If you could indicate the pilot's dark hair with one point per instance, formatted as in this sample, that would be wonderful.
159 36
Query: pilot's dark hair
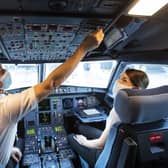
138 78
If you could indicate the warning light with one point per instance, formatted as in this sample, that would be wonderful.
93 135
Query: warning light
155 138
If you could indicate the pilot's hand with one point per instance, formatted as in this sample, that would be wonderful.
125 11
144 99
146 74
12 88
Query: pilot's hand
16 154
82 140
93 40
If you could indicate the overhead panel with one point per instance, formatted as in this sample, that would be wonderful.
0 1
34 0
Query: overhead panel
30 39
50 30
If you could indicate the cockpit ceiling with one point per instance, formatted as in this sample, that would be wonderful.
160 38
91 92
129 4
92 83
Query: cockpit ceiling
44 39
86 7
152 35
50 30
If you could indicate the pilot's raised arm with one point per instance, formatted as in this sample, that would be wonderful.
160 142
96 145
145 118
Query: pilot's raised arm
14 107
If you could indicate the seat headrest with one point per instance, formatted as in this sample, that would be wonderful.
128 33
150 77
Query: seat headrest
142 105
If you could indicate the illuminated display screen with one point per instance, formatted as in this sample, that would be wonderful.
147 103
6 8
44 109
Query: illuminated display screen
44 118
81 102
30 132
44 105
58 128
68 103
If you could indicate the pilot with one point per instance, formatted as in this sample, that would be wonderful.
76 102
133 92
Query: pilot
90 142
14 107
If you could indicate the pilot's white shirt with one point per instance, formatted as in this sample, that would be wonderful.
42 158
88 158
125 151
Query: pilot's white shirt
112 119
12 108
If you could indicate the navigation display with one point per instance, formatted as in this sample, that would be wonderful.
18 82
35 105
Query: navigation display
44 118
81 102
44 105
67 103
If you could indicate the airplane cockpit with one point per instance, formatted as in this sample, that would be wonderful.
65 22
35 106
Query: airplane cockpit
36 37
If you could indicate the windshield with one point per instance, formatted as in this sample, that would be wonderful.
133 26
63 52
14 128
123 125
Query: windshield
23 75
88 74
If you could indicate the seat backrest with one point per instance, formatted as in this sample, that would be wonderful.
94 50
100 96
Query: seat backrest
143 116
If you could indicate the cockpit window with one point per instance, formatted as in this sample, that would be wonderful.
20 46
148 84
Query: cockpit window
158 74
88 74
23 75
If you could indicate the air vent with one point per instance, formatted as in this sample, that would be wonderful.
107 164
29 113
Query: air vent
57 4
110 4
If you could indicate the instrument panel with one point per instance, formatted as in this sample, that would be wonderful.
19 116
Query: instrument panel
46 143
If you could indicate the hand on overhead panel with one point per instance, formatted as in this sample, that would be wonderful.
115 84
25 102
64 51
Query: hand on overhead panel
93 40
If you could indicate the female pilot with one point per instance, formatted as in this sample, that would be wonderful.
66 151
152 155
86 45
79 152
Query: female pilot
90 146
